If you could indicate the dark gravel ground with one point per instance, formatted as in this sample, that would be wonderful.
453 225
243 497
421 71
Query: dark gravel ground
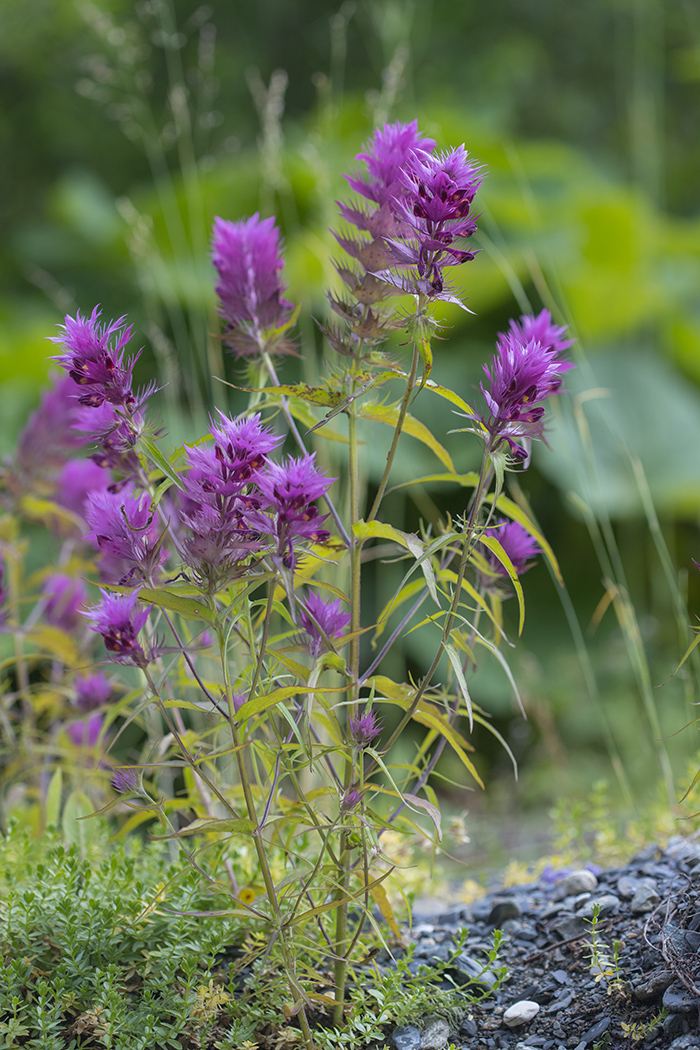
645 996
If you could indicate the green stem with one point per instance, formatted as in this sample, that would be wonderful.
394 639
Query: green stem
484 479
397 434
278 924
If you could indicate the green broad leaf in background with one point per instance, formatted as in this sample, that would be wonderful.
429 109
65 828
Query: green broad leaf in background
52 806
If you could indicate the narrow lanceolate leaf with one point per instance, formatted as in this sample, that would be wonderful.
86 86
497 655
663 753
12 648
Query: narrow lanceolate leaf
203 825
312 395
390 415
456 662
381 530
160 461
497 550
426 714
263 703
190 608
426 352
380 898
448 395
695 642
432 810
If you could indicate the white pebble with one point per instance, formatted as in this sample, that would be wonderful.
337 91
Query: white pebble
520 1013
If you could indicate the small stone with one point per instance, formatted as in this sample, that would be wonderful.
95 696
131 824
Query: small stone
596 1030
407 1037
568 926
580 881
627 886
561 976
436 1034
652 985
685 1042
562 1001
645 899
678 1000
607 904
502 910
468 1027
468 970
520 1013
683 851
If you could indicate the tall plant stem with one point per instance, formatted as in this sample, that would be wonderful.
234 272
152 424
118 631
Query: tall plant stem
340 968
355 559
468 542
258 842
397 434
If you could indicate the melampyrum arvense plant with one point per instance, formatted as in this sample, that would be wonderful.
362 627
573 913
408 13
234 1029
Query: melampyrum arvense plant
223 568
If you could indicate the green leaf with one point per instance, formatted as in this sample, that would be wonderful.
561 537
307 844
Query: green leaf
448 395
77 830
161 462
454 659
496 549
426 352
390 415
52 808
189 608
204 825
262 703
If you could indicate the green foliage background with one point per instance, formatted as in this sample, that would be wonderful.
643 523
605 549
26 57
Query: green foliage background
126 127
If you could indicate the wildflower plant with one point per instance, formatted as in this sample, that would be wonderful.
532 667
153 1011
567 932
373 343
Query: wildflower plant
231 581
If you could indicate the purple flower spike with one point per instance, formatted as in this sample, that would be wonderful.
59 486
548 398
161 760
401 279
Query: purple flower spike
86 732
92 691
364 728
117 620
542 330
385 156
351 799
321 617
518 545
64 597
93 355
290 489
247 257
124 529
523 375
436 209
126 779
77 479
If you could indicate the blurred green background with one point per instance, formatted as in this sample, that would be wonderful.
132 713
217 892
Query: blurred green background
126 127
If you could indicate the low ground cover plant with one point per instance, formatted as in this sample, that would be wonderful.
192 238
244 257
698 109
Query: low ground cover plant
245 716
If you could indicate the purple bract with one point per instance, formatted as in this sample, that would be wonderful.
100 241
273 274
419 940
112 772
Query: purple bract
247 257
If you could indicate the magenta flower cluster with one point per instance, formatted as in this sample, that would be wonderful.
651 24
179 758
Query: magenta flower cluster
247 257
525 372
119 619
95 359
239 505
423 217
322 620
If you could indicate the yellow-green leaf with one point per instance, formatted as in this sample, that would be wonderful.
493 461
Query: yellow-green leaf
497 550
390 415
